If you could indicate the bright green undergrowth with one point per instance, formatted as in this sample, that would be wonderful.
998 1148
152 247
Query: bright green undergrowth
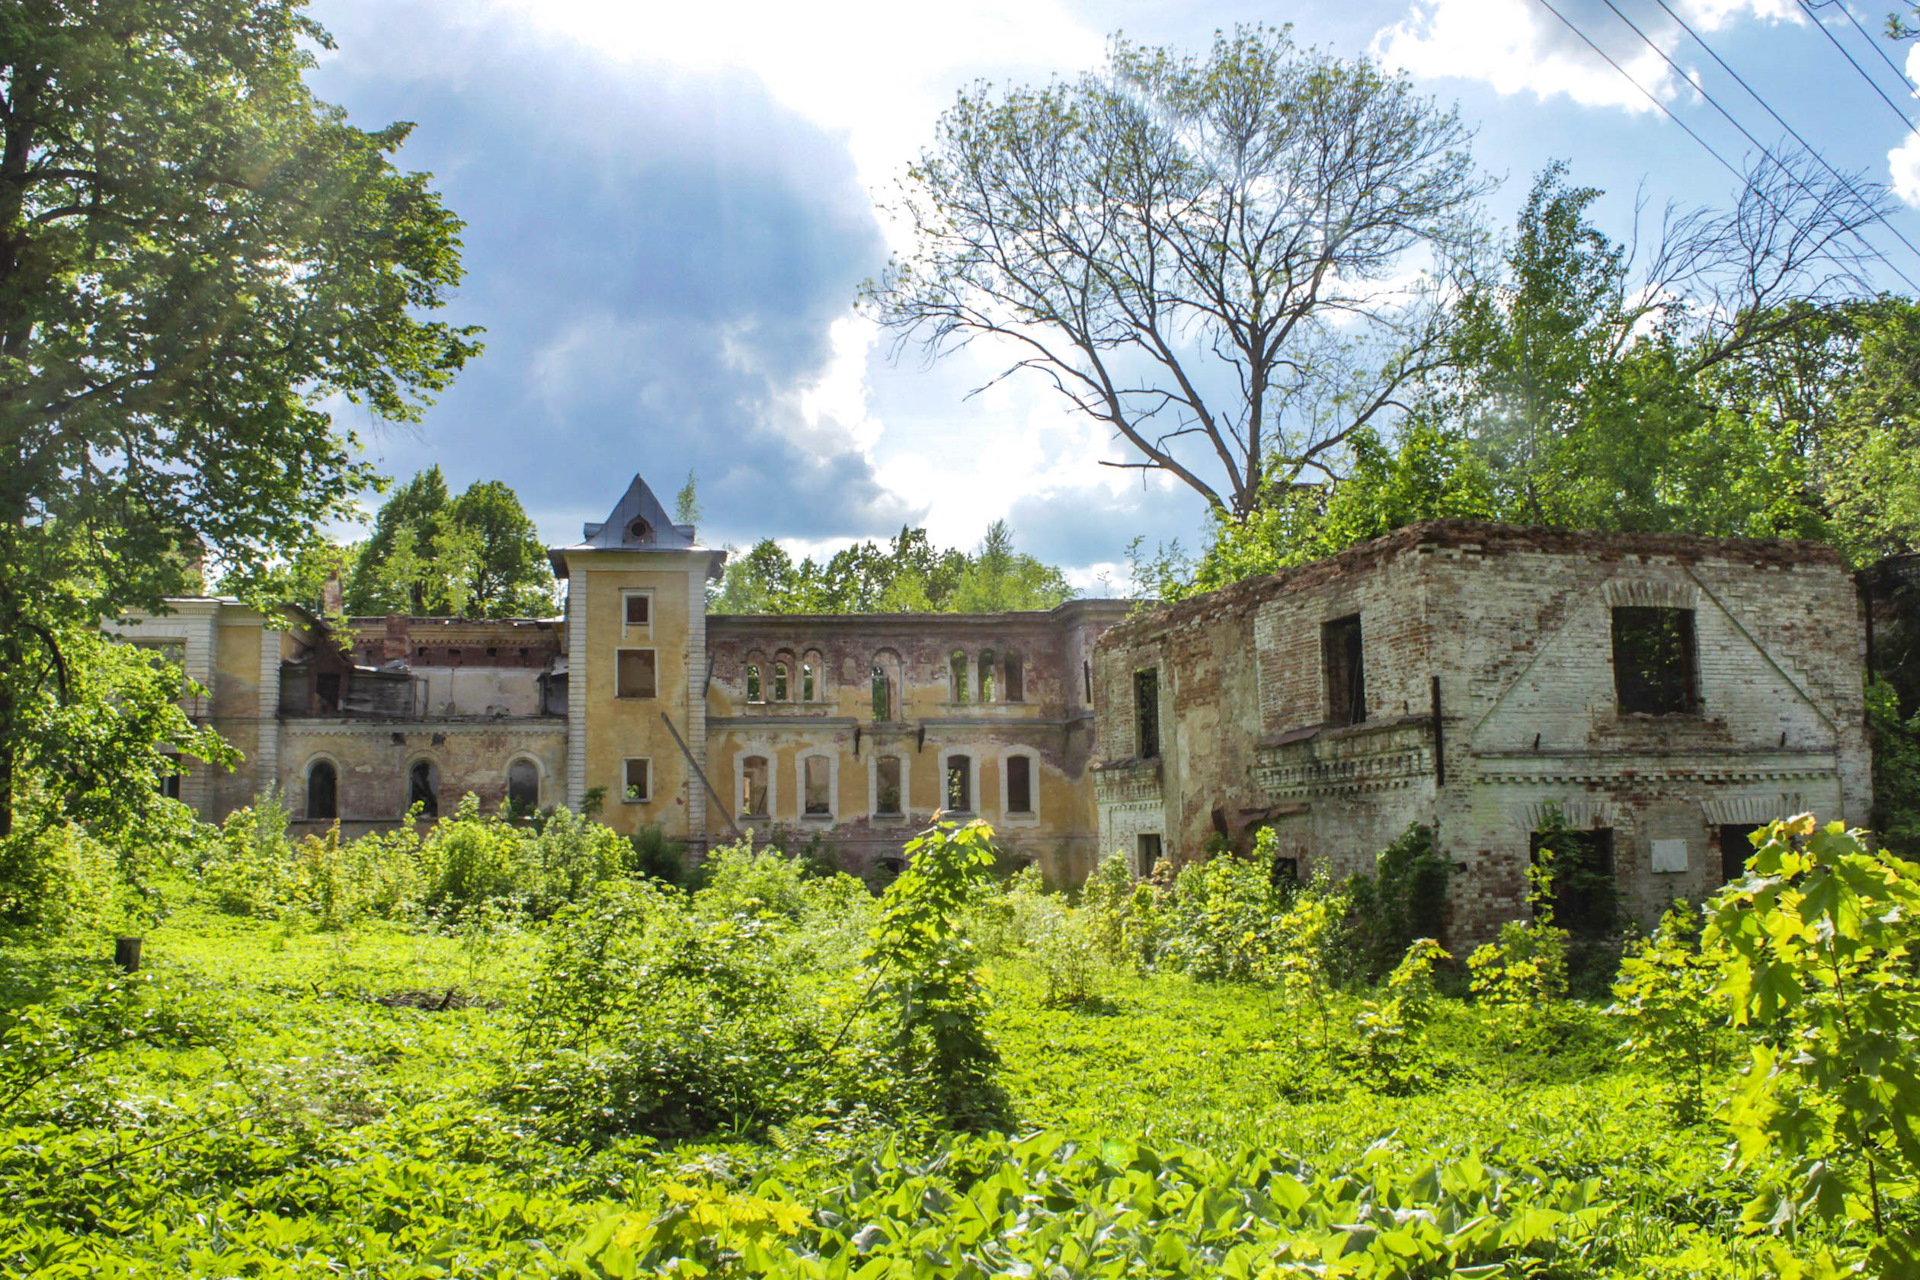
780 1075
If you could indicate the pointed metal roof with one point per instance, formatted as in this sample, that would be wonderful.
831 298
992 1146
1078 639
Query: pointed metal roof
638 522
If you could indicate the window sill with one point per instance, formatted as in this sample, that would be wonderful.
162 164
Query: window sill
821 818
636 697
888 819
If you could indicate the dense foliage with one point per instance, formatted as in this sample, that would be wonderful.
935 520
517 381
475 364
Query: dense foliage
196 256
774 1074
906 576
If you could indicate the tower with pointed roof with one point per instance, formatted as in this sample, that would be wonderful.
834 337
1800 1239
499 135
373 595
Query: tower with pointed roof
636 665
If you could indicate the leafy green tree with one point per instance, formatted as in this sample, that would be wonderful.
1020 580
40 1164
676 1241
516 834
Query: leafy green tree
999 578
196 255
686 504
429 554
907 576
1820 941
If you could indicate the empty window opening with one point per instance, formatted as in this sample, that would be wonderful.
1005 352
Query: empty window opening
423 788
326 687
323 791
1019 784
1086 677
808 689
170 772
1736 846
1146 852
753 682
1146 713
753 787
636 674
986 676
882 691
780 682
819 786
891 866
960 784
1655 666
1014 688
1584 895
886 787
1284 871
637 786
1341 652
639 611
523 786
641 531
957 669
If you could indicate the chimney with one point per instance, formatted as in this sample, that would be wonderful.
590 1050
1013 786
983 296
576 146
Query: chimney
332 594
397 644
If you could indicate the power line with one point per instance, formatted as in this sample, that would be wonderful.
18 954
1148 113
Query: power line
1824 204
1871 82
1905 80
1808 147
1648 93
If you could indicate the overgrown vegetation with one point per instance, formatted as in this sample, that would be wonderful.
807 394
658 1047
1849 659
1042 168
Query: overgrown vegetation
378 1055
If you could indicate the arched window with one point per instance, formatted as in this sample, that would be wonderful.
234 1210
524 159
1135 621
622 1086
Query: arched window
1014 689
987 681
780 682
523 786
808 689
813 676
753 682
888 689
957 669
753 787
423 788
323 791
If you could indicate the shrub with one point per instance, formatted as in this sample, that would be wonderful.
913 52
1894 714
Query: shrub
1220 920
467 859
566 858
56 878
1105 898
1677 1025
1403 900
248 869
743 880
1820 941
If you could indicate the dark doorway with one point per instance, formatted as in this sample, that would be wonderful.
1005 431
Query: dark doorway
1341 652
1735 849
1147 845
1585 899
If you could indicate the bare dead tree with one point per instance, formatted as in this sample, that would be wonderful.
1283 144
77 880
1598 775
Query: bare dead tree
1236 262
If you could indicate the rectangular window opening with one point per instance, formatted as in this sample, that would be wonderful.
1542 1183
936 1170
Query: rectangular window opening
1019 784
636 674
1341 652
1146 712
960 784
753 787
886 800
639 610
1016 680
637 786
1655 661
819 780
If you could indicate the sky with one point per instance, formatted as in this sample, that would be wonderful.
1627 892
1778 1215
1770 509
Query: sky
670 208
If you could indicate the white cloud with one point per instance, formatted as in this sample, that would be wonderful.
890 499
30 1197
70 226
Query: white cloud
876 71
1517 46
1903 163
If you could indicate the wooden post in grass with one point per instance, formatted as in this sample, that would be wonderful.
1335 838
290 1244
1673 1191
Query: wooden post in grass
126 953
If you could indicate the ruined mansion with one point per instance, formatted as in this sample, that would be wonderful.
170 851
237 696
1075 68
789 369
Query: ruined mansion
1662 694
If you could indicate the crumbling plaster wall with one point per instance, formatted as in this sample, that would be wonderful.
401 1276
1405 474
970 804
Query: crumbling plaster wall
372 760
1050 726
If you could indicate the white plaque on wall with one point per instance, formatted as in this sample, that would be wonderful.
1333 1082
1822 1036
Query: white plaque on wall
1669 855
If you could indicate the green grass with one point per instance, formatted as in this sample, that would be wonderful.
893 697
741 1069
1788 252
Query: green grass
340 1135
